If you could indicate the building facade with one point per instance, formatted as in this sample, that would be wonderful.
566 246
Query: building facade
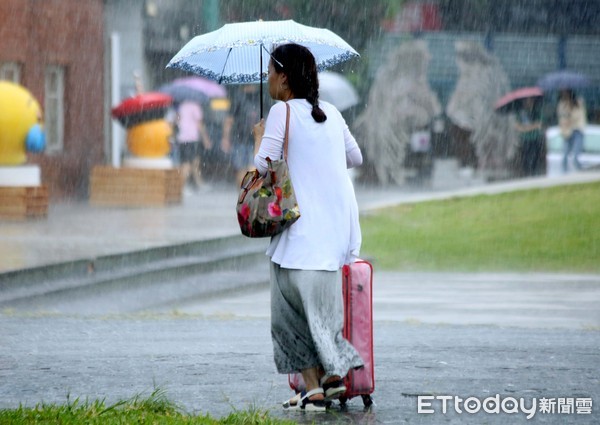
56 49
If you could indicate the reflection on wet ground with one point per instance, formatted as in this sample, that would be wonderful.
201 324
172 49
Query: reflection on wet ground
77 230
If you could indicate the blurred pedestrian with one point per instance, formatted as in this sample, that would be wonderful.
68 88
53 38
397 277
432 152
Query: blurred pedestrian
191 132
245 113
572 121
532 149
306 259
218 121
171 118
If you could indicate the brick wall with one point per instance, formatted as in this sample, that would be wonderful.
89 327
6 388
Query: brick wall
69 33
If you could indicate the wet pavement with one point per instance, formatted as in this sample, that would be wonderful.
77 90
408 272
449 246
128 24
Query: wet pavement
487 335
436 335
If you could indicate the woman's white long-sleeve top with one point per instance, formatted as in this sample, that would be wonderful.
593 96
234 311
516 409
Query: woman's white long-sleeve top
327 235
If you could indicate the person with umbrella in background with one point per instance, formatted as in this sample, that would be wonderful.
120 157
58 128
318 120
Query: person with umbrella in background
306 259
571 111
532 151
526 104
191 132
218 122
572 121
212 99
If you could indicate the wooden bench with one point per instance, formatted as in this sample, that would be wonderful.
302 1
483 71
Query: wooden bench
23 202
134 187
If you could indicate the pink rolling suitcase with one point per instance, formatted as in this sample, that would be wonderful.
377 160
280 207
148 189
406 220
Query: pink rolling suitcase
358 329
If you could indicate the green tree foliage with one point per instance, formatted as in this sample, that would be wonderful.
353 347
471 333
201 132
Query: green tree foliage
356 21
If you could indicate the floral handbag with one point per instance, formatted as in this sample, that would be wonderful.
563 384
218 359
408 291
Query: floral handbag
267 204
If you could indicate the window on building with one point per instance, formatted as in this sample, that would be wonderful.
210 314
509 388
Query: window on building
10 71
54 108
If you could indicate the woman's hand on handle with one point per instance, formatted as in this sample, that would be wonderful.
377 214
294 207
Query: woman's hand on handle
258 131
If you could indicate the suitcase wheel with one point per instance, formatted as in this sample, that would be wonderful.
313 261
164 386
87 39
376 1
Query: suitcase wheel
366 398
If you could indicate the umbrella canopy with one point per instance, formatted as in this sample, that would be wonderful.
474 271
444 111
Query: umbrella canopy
181 94
196 89
233 54
204 85
337 90
512 100
142 107
563 80
238 53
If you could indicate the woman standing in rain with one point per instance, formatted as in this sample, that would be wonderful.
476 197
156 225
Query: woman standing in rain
572 121
306 259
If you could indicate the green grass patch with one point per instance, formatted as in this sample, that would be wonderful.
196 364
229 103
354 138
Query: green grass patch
156 409
553 229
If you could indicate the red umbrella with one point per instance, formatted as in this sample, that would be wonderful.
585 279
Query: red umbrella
512 100
142 107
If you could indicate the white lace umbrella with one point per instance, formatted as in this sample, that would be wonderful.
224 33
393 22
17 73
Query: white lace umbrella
238 53
337 90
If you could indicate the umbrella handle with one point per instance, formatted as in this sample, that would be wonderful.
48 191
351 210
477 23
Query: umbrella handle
261 80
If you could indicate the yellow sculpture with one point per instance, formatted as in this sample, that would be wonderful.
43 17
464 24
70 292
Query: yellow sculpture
20 124
147 131
149 139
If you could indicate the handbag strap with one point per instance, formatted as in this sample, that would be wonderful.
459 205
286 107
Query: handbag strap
287 131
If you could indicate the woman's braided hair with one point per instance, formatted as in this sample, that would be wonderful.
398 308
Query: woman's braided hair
298 63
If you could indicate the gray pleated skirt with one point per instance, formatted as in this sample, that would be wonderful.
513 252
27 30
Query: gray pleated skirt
307 317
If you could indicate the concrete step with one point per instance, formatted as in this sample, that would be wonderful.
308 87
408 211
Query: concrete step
196 268
116 298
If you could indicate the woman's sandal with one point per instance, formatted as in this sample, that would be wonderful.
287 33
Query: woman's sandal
301 402
333 389
292 403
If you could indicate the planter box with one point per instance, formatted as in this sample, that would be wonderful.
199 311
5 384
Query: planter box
134 187
23 202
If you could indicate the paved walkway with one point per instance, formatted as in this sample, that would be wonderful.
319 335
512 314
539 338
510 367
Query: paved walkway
497 336
530 300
